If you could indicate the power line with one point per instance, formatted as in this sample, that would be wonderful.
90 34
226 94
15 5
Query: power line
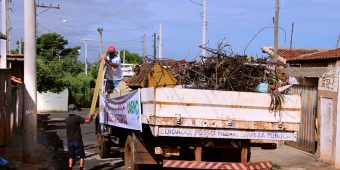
129 29
114 30
123 41
47 7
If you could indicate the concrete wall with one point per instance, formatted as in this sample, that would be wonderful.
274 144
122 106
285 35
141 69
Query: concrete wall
328 89
320 154
315 64
52 101
337 135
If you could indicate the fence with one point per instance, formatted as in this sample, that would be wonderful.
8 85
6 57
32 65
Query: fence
306 135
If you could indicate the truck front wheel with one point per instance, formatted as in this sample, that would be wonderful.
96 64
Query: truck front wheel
128 154
104 147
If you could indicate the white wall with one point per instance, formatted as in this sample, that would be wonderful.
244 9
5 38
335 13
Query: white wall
337 140
52 101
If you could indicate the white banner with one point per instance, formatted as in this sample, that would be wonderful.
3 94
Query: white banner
124 112
226 133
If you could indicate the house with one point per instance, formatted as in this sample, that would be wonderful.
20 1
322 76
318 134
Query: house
285 54
316 73
11 101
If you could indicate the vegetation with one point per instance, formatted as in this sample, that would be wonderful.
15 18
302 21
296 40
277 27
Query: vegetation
132 58
58 68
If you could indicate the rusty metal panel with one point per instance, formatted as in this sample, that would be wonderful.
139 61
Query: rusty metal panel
5 105
306 135
220 123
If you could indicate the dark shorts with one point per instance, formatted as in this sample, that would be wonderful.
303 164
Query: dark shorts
76 148
111 84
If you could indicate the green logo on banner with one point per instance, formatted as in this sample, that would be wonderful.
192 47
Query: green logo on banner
133 107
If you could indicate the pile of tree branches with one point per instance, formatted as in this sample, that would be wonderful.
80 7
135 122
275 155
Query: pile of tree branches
224 70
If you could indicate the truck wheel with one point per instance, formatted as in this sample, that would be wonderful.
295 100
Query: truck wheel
248 155
104 147
129 163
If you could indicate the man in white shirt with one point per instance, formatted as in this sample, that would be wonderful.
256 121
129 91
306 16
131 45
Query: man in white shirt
114 73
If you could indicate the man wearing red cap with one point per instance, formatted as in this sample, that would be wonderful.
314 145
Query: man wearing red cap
114 73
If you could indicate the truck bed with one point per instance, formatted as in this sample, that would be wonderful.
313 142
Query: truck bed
218 114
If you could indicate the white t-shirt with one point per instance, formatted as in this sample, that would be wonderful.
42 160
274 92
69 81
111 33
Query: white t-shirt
114 73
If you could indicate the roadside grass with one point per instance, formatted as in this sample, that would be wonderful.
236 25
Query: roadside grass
276 166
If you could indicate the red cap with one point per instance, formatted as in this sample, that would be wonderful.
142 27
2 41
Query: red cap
111 49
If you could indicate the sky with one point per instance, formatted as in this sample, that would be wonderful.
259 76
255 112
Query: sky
316 24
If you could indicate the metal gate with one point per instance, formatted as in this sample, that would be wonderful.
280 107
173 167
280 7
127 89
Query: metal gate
306 135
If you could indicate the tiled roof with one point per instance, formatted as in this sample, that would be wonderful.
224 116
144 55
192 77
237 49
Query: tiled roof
324 55
15 55
293 53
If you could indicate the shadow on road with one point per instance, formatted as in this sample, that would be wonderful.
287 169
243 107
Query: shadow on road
104 166
59 155
56 127
90 146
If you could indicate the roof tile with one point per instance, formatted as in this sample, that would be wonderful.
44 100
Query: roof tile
289 54
324 55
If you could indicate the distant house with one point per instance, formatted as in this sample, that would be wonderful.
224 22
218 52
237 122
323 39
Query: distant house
11 92
45 101
285 54
316 73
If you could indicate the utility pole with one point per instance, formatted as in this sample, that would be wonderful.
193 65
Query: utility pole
86 40
30 80
47 7
50 6
144 48
337 42
291 36
4 17
123 56
154 46
100 30
8 29
276 30
20 46
160 42
204 27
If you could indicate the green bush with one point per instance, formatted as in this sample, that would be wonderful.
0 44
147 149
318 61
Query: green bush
79 89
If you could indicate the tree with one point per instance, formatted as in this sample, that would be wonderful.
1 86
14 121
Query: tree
94 70
50 46
55 61
50 76
79 88
16 51
131 58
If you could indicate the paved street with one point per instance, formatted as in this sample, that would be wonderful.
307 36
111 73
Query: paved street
93 162
284 157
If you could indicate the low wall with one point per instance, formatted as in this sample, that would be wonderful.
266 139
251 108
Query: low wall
52 101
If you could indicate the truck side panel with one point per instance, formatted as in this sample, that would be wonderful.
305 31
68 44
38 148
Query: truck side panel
220 109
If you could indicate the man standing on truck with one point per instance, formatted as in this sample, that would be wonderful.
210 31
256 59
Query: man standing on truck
74 137
114 73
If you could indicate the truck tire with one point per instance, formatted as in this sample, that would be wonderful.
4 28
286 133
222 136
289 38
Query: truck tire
129 163
104 147
249 155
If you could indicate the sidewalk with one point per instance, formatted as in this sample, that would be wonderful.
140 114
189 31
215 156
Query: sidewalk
290 158
13 152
